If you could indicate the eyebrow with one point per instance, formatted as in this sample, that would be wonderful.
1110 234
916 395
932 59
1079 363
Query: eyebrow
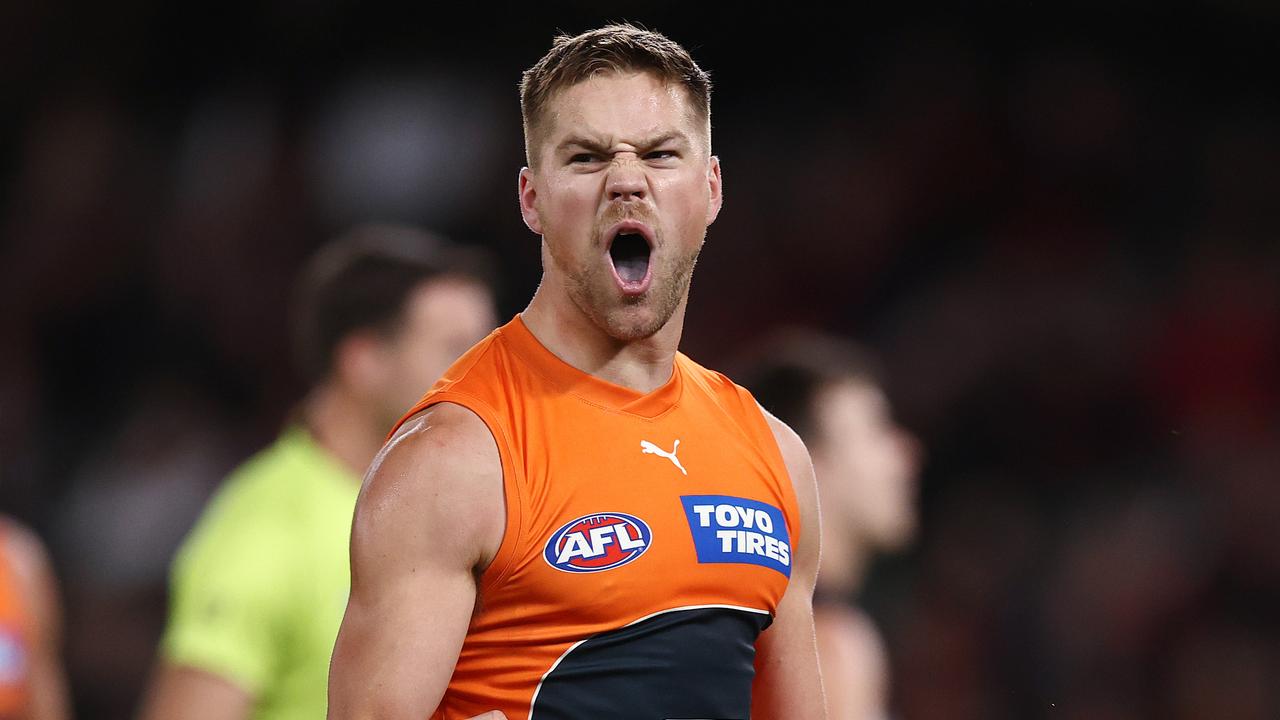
578 141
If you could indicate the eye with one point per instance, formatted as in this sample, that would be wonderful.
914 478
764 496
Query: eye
660 155
583 158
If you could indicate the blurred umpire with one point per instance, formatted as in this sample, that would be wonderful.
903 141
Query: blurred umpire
259 586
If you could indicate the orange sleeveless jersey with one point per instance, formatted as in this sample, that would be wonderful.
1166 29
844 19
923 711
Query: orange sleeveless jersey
15 626
648 541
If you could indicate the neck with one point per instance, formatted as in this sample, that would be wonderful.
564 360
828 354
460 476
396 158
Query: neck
642 365
343 426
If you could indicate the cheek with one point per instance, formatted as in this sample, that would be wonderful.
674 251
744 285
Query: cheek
682 186
686 201
569 198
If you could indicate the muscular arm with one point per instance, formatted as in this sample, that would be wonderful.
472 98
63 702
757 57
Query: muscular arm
788 683
430 517
39 592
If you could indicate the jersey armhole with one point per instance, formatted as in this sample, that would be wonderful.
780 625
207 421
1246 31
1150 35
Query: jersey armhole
512 488
769 442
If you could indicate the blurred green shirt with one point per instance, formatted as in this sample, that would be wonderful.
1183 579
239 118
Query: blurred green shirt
259 587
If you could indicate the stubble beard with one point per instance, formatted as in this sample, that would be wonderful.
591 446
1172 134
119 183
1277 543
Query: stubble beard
628 318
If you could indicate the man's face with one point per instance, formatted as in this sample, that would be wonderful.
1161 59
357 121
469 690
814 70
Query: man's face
866 463
442 319
622 192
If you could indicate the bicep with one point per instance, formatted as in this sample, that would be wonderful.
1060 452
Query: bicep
399 640
424 525
788 680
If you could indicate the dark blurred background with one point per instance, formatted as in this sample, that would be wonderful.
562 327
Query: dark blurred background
1059 225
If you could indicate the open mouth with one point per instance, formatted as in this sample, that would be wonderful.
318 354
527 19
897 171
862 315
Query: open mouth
630 254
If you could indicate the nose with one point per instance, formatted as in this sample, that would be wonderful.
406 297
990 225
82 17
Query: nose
626 182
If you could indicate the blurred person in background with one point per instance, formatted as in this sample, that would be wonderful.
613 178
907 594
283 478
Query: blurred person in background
259 586
32 682
830 391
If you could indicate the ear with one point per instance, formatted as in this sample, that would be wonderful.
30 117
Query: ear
714 181
528 201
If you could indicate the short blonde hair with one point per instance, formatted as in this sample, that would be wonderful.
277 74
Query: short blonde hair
613 48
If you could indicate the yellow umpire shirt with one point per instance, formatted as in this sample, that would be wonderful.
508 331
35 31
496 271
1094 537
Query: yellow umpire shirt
259 587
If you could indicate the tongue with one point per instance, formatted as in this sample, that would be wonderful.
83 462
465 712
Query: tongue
632 270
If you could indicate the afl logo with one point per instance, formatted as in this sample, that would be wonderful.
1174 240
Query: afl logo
597 542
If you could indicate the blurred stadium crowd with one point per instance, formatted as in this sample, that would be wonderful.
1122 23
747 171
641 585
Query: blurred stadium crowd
1059 232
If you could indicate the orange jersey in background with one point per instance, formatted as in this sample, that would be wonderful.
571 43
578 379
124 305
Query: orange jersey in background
15 629
648 541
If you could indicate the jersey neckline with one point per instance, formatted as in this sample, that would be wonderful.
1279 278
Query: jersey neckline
588 387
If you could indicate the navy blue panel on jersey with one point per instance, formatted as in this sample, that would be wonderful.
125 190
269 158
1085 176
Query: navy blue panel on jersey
694 663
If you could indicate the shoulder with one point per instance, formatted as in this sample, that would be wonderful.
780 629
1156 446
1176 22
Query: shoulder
743 407
732 400
444 440
795 456
476 368
441 468
482 376
794 452
710 380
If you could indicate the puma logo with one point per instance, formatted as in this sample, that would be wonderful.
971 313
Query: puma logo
649 448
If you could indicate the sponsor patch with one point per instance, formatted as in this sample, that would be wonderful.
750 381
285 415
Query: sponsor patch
729 529
597 542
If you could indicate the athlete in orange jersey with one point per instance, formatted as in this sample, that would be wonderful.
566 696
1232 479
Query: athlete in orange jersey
578 522
32 686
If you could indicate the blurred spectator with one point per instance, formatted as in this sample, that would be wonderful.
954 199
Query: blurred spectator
260 584
829 392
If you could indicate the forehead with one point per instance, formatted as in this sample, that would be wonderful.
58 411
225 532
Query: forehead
620 107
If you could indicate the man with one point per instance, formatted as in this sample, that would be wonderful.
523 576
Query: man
32 683
577 521
829 391
259 586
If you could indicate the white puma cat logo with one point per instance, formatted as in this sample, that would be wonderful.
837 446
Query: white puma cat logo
649 448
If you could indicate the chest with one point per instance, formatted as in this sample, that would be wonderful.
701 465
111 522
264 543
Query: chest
623 517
